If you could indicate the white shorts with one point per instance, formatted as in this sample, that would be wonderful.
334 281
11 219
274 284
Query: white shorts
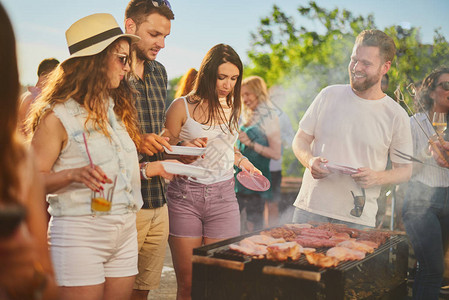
87 249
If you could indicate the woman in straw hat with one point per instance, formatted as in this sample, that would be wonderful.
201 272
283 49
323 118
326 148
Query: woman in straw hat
85 138
25 265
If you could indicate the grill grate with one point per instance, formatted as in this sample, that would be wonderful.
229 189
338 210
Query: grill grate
220 274
225 253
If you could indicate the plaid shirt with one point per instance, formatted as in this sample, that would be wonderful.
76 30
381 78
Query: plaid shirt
150 104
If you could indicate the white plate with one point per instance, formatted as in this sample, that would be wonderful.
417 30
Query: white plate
186 170
184 150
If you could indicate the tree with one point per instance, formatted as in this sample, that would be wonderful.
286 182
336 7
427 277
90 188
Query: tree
303 61
171 90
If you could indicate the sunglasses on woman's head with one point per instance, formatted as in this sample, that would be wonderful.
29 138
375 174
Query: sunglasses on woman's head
444 85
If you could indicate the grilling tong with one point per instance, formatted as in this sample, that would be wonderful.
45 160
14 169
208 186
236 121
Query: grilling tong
408 157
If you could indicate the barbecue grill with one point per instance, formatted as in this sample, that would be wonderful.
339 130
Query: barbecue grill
220 273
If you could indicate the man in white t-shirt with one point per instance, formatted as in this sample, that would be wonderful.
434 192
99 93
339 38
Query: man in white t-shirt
354 126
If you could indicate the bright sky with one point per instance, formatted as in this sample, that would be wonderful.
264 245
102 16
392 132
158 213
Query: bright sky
40 25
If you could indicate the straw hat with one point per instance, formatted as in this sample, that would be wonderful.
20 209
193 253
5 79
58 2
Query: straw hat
92 34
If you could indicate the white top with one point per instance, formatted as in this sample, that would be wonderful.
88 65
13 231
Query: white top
116 155
219 155
431 176
354 132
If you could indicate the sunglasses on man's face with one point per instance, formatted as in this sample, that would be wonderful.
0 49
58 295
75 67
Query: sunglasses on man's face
158 3
359 204
444 85
124 59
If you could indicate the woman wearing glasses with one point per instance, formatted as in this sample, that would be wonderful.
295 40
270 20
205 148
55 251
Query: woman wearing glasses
204 211
426 206
85 134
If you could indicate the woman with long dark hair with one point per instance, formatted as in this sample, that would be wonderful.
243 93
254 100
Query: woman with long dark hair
426 204
204 211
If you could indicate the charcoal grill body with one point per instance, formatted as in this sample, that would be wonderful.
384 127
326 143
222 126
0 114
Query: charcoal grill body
219 273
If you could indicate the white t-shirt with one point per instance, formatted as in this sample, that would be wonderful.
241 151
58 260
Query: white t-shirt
354 132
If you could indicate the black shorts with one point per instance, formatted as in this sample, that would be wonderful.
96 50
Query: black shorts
276 179
254 204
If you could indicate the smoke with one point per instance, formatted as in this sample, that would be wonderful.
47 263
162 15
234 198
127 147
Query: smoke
295 94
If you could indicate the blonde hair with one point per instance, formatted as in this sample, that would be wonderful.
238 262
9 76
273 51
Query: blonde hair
85 80
258 87
186 83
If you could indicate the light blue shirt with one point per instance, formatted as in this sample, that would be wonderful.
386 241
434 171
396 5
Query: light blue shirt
428 175
115 155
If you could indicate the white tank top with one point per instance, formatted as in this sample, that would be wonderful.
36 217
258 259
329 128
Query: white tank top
219 155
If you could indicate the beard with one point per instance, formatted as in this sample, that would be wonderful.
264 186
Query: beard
367 83
140 55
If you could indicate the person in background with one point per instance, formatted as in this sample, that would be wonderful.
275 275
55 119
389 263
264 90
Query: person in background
151 21
25 266
186 83
445 144
426 206
357 126
44 69
287 135
260 141
205 210
85 136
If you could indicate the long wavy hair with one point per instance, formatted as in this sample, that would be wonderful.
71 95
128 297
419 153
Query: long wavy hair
429 84
258 87
186 83
12 151
206 83
85 80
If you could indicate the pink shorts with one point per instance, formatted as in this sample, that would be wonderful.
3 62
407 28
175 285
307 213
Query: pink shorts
203 210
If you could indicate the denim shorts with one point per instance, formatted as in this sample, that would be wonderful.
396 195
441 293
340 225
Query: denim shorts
203 210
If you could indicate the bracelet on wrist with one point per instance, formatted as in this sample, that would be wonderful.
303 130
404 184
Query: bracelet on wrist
240 161
179 143
143 171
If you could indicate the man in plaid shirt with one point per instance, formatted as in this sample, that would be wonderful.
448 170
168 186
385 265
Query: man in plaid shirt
150 19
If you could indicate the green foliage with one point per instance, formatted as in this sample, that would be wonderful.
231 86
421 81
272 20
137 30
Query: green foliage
303 61
171 90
